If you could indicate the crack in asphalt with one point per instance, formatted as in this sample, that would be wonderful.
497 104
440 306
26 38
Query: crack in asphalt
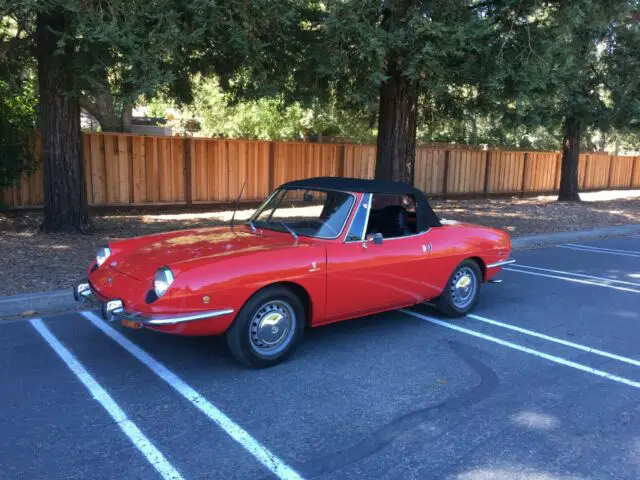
402 425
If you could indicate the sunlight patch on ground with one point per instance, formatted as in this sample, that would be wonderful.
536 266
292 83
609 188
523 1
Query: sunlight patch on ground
511 473
634 451
535 420
599 196
224 216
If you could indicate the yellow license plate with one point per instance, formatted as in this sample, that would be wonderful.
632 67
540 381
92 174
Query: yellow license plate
130 324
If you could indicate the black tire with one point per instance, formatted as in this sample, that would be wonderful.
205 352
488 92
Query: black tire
448 303
244 335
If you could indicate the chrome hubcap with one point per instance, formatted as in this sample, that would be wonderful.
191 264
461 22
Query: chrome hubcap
272 327
463 287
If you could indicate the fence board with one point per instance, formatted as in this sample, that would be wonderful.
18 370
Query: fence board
621 172
124 161
466 171
133 169
429 170
596 175
359 161
507 169
86 165
635 173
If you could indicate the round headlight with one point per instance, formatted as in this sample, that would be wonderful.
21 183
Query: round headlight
162 281
102 255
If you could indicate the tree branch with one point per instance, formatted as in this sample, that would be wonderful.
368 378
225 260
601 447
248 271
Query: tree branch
90 106
8 46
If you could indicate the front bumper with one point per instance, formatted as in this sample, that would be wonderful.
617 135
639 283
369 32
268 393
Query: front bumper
114 310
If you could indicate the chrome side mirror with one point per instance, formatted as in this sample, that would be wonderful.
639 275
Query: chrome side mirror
375 238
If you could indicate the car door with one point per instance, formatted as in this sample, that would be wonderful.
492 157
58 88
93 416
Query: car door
364 276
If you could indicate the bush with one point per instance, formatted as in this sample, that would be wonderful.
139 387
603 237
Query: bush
17 133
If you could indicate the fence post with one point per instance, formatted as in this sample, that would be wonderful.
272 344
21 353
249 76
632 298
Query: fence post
447 154
487 172
634 169
525 171
610 172
556 178
341 155
188 191
585 172
272 166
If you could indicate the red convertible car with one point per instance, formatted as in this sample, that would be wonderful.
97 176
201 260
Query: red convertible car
317 251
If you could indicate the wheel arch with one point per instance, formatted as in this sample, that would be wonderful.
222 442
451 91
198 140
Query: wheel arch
299 291
483 266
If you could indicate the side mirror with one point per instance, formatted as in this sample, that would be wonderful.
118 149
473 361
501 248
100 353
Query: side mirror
375 238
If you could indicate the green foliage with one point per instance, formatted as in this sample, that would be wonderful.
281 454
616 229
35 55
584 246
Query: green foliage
266 118
572 59
17 130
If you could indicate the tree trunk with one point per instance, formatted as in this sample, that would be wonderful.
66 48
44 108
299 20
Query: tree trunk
65 199
570 155
127 116
397 120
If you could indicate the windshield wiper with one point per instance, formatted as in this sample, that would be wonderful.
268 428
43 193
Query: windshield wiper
290 230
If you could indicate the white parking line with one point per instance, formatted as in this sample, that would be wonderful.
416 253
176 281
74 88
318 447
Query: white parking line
531 351
604 249
574 280
599 250
141 442
560 341
235 431
581 275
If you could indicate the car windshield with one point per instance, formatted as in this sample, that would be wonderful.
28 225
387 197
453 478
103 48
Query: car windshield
311 213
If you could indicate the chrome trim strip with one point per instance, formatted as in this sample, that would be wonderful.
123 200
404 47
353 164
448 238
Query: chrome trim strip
394 238
366 220
501 263
169 319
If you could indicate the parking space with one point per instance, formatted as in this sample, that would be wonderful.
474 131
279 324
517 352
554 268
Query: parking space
543 381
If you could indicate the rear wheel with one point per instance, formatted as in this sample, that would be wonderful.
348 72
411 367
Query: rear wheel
462 291
268 328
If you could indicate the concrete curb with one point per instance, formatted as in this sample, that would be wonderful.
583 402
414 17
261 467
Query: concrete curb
520 243
31 304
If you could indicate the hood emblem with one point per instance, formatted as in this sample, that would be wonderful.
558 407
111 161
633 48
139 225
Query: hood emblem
109 280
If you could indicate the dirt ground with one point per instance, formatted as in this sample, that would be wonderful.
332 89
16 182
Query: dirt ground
34 262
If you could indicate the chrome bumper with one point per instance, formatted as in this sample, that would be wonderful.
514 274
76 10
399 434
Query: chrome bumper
114 310
501 263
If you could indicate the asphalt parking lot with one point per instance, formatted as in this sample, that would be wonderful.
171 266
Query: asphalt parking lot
543 382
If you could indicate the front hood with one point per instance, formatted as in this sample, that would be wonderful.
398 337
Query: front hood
140 257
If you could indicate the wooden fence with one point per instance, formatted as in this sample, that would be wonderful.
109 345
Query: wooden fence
124 169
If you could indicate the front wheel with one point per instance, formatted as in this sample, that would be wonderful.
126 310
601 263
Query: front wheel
462 291
268 328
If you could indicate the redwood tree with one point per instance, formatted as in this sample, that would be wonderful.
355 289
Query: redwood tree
95 55
403 59
65 198
580 70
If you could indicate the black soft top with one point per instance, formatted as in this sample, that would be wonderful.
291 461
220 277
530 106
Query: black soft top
426 217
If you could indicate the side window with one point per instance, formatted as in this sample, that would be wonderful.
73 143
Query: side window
393 216
360 219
